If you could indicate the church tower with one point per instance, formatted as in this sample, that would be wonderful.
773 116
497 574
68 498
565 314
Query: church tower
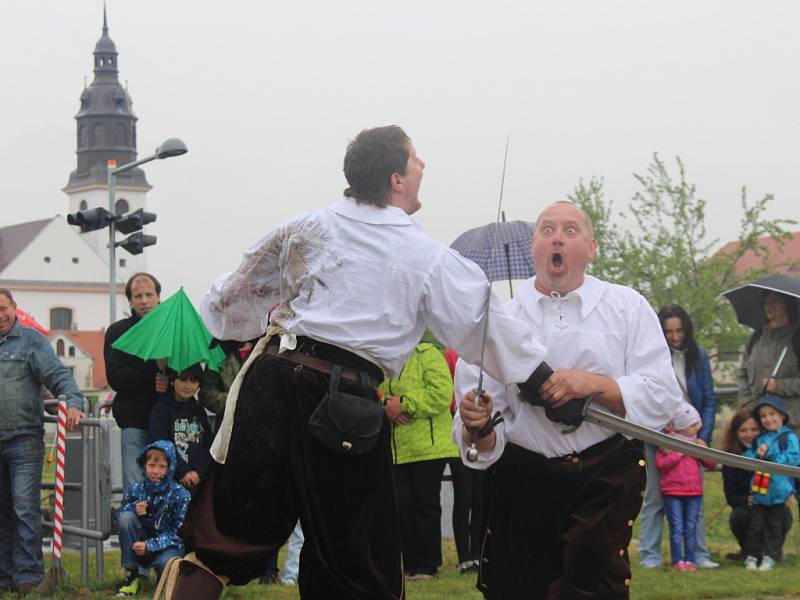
106 129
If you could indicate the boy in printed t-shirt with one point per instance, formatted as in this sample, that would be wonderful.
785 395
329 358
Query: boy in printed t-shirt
179 418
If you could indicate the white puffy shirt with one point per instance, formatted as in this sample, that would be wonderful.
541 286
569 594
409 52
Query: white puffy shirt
602 328
367 279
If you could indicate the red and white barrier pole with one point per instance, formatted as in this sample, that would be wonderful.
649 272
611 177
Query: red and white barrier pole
61 442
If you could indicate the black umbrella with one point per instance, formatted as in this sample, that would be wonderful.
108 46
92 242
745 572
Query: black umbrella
747 299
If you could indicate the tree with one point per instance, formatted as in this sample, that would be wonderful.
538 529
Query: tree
660 248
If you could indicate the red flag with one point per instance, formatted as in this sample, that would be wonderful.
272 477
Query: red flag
28 321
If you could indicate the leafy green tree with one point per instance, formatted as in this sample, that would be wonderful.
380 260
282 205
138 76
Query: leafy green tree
660 247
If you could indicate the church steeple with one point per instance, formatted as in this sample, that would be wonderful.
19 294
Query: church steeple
106 123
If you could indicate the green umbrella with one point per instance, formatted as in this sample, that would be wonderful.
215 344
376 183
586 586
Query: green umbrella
172 330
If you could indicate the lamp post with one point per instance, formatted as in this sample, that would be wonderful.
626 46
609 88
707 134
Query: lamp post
170 147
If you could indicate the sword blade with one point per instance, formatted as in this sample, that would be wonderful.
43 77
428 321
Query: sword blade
645 434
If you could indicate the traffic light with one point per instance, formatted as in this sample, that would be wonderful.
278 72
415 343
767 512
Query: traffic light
135 221
90 219
136 243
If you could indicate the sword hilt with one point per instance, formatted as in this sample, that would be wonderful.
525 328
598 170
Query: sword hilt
472 451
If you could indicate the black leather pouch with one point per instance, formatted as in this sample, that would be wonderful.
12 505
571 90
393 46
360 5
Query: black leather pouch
346 423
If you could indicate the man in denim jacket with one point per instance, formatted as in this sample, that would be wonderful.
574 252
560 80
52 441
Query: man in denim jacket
26 363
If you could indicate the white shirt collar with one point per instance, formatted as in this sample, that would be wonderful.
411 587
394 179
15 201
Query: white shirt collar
588 295
369 213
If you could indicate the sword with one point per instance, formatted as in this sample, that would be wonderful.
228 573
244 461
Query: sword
472 451
645 434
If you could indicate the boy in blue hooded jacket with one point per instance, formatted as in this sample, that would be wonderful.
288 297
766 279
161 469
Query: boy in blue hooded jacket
151 512
779 444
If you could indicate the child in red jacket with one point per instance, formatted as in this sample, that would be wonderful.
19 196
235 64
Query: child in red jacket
682 488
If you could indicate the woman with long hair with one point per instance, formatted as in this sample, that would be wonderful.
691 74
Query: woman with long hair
693 372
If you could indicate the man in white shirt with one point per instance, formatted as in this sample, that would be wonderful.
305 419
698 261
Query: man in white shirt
563 501
355 285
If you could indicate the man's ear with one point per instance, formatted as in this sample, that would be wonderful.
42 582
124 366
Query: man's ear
594 246
397 183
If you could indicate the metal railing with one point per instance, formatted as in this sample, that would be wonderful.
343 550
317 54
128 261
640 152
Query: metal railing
95 435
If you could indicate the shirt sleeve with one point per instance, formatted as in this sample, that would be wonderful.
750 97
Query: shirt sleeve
430 394
649 389
456 293
466 380
709 398
237 305
52 373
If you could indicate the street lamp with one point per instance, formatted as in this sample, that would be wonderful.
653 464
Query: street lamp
170 147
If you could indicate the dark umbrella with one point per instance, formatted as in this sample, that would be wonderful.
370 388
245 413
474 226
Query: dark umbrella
511 257
747 299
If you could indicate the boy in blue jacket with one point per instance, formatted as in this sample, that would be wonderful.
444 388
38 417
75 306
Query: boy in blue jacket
151 512
779 444
179 418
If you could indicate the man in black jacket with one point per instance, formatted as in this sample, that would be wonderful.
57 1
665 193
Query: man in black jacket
137 382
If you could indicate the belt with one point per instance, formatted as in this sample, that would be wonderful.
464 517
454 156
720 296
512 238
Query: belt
577 461
322 357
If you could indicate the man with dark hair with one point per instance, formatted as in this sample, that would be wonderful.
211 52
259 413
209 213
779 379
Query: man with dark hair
27 362
355 286
137 382
372 159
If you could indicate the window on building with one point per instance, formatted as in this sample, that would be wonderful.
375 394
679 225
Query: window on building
121 207
83 205
123 263
60 347
71 352
98 135
61 318
121 133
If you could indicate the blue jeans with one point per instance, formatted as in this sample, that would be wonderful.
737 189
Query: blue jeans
682 513
651 519
20 511
130 531
291 565
132 443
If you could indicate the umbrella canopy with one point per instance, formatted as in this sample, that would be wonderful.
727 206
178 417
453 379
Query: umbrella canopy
747 299
511 258
172 330
25 318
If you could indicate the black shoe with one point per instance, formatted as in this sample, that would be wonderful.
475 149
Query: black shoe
268 578
737 556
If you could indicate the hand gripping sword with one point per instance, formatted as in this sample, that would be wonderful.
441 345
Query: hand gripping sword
472 451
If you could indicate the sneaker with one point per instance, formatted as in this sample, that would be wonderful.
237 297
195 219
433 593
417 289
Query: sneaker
689 566
678 565
767 564
751 563
707 563
650 565
130 587
420 577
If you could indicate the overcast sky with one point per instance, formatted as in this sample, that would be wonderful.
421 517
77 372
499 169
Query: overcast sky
267 94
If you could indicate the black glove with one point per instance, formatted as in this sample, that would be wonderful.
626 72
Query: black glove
529 390
570 414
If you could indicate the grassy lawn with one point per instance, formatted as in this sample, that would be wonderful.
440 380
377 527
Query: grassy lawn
729 581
